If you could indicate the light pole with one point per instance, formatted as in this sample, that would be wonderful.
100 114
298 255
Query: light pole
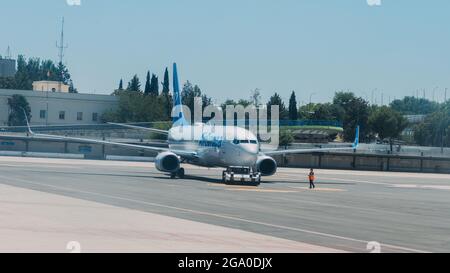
373 93
434 91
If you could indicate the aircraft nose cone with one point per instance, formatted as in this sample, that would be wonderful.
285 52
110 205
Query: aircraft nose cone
250 148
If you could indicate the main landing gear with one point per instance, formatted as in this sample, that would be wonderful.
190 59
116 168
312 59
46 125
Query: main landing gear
180 174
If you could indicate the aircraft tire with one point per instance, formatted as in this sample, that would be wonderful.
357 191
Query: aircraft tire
181 173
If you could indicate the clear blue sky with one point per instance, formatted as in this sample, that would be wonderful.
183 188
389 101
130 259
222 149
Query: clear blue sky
230 47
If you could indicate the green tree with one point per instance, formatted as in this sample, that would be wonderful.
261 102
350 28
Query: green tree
293 110
328 111
62 74
166 82
387 123
242 102
134 84
286 138
276 100
414 106
435 129
148 87
23 78
36 70
137 107
168 103
188 95
356 113
7 83
255 97
72 88
228 102
17 104
121 85
154 86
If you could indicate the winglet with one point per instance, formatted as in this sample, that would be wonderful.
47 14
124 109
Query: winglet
28 123
356 143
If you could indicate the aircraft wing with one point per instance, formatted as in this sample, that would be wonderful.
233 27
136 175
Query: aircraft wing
184 154
305 151
181 153
164 132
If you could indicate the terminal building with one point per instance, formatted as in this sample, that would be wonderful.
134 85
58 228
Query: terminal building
59 108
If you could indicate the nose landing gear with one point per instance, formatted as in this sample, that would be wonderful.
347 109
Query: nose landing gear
241 176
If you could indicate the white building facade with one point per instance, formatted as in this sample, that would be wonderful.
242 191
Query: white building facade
50 86
57 108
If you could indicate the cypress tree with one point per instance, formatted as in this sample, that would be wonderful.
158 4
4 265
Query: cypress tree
166 83
293 111
154 86
148 87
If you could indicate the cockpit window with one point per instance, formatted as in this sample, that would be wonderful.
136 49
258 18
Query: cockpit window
246 141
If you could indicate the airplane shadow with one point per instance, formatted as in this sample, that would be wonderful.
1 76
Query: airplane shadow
188 177
150 175
307 183
194 178
97 174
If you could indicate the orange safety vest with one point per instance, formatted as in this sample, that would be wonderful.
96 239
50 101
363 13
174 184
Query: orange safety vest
311 177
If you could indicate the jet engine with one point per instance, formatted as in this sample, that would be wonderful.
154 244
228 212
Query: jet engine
167 162
266 165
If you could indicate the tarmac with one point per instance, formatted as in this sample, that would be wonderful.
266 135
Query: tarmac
64 205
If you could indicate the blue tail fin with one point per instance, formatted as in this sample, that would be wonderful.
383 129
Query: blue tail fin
177 112
356 143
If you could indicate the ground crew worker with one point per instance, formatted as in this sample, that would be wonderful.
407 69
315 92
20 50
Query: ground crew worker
311 177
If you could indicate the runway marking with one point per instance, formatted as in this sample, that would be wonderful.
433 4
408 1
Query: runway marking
404 186
361 181
249 188
259 190
324 180
426 187
320 189
39 167
239 219
370 173
323 204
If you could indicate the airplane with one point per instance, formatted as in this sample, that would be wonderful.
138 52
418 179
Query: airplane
224 147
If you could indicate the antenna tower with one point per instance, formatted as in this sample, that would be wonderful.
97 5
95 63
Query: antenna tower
61 46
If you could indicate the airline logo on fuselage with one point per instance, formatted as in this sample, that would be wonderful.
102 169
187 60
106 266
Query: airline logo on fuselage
208 140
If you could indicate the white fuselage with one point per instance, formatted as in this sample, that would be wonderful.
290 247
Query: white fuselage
216 146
